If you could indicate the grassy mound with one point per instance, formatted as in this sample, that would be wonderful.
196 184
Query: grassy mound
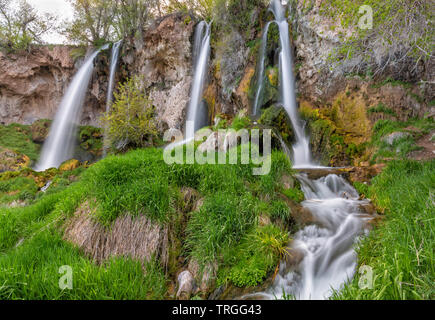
400 250
140 183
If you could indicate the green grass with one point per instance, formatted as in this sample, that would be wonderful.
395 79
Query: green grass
32 272
403 146
20 188
400 248
381 108
255 256
136 183
19 138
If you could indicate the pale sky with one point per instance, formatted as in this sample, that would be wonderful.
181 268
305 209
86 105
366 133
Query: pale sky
61 8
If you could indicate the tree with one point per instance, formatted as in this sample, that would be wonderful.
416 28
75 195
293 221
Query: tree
93 21
97 21
22 26
131 120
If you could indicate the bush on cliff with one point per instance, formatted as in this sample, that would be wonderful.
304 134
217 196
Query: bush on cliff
131 120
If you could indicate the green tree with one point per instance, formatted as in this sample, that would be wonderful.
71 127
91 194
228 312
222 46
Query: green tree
97 21
21 26
93 21
131 120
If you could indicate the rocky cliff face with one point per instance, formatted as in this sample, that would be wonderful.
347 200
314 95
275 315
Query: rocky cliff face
319 81
164 65
32 85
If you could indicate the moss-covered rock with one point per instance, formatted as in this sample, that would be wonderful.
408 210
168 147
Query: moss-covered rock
39 130
91 140
339 133
12 160
276 117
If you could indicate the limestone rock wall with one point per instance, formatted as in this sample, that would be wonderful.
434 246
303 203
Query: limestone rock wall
32 85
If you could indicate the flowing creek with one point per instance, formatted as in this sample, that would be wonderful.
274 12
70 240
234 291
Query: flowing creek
327 258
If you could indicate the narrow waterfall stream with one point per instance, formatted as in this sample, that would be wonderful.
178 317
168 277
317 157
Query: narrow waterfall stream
326 247
196 111
60 142
113 66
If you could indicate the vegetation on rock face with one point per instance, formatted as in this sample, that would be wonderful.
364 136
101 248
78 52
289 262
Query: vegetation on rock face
400 28
18 138
400 249
20 26
130 121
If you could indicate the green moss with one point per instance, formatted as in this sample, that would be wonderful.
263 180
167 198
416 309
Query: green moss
241 123
381 108
91 139
19 138
276 117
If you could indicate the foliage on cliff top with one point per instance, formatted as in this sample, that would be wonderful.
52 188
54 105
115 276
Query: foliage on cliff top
22 25
403 29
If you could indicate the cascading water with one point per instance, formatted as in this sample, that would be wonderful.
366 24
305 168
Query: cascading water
301 147
260 70
113 65
196 113
329 259
327 246
59 145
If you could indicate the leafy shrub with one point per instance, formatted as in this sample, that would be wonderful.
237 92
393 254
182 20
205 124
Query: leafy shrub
131 120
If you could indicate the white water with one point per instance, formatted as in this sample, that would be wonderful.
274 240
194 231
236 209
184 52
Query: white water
301 147
113 65
329 258
60 142
260 70
196 112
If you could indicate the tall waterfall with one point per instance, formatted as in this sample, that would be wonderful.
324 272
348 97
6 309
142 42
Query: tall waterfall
113 65
196 111
60 142
301 147
260 70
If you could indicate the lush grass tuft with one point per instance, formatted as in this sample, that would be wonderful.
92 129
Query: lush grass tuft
400 249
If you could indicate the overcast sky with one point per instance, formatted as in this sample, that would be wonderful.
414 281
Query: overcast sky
61 8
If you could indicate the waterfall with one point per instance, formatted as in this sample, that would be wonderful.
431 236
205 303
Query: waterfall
113 65
301 146
260 70
329 259
196 113
60 142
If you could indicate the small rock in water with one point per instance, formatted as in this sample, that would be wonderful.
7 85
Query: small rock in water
47 185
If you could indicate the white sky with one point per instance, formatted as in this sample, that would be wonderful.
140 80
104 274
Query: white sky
61 8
